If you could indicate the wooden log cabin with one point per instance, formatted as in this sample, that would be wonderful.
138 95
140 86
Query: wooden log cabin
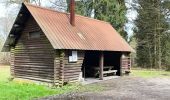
56 47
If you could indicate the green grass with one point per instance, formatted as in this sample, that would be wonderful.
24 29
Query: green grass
4 73
26 91
150 73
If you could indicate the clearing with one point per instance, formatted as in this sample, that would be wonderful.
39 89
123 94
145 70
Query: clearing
141 85
19 90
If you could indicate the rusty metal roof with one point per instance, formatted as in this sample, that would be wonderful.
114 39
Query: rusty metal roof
87 34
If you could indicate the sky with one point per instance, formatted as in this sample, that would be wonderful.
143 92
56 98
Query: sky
2 10
131 16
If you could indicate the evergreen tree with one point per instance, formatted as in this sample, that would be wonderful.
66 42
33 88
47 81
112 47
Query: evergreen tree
150 33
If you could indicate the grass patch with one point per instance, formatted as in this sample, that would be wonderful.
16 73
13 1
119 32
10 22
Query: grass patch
150 73
4 73
27 91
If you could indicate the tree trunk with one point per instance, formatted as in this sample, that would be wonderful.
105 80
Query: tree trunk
159 37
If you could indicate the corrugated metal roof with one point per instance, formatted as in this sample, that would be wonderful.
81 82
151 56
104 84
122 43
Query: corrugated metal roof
87 34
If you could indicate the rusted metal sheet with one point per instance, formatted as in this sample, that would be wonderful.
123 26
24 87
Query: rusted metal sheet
87 34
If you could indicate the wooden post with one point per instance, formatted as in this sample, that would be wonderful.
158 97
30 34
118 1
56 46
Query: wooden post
121 64
101 64
55 67
61 75
130 62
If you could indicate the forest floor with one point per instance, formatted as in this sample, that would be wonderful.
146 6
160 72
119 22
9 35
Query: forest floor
140 85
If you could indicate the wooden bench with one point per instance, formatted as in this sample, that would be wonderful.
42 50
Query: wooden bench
110 71
106 70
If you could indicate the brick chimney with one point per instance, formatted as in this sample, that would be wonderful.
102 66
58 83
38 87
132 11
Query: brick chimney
72 12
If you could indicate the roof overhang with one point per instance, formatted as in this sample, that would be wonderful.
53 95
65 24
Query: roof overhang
17 27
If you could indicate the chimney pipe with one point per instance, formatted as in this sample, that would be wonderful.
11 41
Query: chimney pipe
72 12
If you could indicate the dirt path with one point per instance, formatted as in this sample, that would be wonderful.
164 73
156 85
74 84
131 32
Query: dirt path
125 88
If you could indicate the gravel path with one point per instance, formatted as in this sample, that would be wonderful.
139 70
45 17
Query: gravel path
125 88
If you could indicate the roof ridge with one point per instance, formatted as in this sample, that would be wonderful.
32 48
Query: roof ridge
64 12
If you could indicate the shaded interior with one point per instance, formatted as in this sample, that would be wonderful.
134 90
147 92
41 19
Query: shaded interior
91 63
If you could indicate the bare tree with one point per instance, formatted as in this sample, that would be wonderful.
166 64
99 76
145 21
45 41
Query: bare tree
60 5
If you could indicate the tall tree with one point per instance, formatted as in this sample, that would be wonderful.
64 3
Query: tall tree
151 28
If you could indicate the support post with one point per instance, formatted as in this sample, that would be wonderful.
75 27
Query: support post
101 64
61 73
121 58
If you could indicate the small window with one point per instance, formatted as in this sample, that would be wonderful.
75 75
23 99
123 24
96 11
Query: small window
73 56
33 35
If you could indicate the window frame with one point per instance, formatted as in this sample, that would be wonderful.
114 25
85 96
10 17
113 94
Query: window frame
31 35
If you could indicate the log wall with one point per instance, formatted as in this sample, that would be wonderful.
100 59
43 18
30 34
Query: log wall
67 71
125 64
72 70
12 60
34 57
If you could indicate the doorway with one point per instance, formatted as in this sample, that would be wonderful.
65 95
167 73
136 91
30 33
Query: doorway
90 67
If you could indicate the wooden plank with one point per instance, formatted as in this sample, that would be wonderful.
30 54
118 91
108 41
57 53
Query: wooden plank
62 64
12 62
101 64
72 70
125 64
109 71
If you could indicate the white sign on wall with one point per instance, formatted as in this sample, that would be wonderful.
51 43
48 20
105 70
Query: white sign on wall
73 57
